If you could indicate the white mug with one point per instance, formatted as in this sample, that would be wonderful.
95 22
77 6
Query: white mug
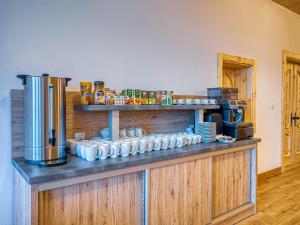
123 133
140 132
188 140
197 101
172 142
130 132
90 152
143 146
164 142
199 138
180 141
72 145
157 143
125 148
114 150
134 147
150 144
80 148
180 101
205 101
103 151
194 139
212 101
189 101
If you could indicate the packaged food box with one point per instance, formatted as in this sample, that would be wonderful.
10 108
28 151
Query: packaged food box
164 97
170 97
145 97
137 98
151 97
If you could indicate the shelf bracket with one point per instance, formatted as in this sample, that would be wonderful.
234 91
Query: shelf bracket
113 124
199 118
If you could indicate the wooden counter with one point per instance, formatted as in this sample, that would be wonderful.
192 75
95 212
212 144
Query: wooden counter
204 184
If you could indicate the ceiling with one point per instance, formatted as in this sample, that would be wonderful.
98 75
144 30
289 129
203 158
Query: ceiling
293 5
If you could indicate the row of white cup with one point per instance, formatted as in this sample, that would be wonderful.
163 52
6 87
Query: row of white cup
97 148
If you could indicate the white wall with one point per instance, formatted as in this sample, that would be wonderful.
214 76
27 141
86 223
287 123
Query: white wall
157 44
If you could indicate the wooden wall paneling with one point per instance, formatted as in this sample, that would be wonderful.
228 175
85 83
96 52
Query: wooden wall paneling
79 121
157 121
230 182
179 192
112 201
17 122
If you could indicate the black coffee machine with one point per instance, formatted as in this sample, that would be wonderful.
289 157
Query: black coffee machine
232 111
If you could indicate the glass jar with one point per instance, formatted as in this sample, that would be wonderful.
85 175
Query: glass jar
99 94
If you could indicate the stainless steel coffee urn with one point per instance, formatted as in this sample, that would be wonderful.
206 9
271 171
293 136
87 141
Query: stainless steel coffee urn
45 119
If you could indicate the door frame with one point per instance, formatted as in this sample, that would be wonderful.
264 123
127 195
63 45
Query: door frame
287 57
240 62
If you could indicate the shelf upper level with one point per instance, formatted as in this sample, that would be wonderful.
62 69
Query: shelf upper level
142 107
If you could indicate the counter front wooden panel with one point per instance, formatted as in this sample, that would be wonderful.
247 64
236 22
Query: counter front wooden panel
115 200
180 194
230 182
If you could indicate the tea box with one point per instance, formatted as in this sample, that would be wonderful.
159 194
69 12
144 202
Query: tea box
145 97
151 97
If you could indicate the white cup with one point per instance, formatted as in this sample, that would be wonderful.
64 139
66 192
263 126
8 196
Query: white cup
134 147
114 150
205 101
157 143
197 101
123 133
140 132
180 141
72 146
150 144
199 138
188 140
90 152
143 146
130 132
80 148
189 101
164 142
172 142
194 139
212 101
180 101
125 147
103 151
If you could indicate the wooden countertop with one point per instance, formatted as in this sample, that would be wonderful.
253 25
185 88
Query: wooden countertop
77 167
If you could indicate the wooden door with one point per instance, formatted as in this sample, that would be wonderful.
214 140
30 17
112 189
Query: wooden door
288 92
296 126
240 78
291 115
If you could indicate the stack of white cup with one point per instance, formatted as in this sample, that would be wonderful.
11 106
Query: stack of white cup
99 148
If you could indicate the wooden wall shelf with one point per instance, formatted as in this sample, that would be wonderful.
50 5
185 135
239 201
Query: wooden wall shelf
142 107
114 115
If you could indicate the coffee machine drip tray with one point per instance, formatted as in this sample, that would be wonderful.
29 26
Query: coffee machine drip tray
239 131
